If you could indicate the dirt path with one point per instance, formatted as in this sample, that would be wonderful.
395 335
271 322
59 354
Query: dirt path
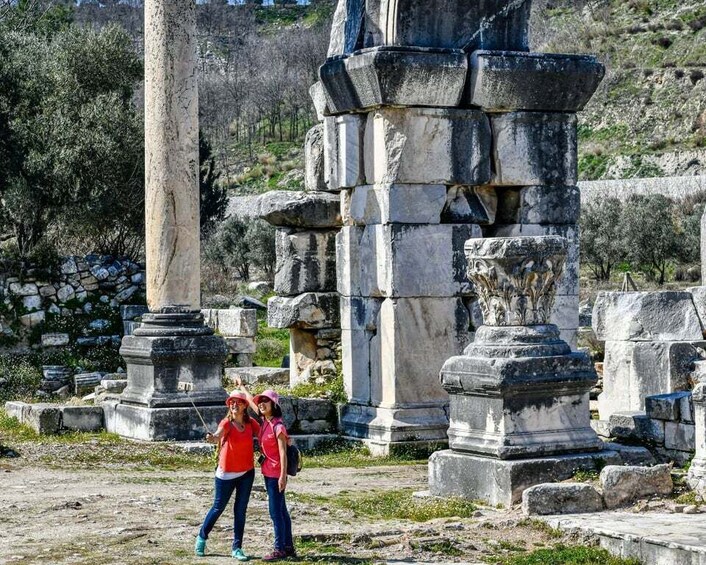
127 516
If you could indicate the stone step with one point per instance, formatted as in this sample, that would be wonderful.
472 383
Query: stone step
259 375
653 538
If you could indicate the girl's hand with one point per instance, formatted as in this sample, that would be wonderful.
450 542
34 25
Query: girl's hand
282 483
210 438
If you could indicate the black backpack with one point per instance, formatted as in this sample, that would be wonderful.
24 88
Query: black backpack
294 460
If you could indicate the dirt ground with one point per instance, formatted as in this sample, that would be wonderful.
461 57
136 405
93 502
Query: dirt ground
64 513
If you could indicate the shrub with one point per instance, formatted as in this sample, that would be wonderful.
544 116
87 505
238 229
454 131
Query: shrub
20 378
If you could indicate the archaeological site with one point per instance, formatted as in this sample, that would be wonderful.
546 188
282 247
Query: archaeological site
460 242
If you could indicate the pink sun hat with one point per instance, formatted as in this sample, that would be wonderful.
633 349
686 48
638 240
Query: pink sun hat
270 395
235 396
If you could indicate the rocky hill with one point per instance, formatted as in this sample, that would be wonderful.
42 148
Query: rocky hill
648 118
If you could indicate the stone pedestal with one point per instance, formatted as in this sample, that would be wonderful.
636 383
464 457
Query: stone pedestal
519 398
697 471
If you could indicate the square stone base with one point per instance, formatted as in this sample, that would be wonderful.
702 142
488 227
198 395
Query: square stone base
497 481
378 425
161 424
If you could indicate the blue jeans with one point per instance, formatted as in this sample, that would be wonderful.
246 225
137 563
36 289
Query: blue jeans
224 489
279 514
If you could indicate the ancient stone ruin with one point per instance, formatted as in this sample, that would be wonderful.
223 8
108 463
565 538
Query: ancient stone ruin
438 126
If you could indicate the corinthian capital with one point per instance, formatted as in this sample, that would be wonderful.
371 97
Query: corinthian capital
515 277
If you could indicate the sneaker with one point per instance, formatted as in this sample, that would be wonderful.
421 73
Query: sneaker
200 546
290 551
239 555
276 555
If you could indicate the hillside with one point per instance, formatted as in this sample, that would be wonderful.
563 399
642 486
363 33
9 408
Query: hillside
647 119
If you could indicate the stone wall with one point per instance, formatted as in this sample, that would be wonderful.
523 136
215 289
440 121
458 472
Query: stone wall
79 283
673 187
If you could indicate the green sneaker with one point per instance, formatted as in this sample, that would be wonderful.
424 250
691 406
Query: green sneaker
200 546
239 555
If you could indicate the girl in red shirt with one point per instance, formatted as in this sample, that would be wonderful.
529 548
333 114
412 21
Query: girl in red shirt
235 472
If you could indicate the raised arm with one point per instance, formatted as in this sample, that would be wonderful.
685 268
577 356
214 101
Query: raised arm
240 385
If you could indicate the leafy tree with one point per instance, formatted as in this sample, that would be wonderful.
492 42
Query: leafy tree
651 234
601 244
214 198
73 138
260 239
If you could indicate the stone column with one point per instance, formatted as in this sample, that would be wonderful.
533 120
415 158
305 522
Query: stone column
519 398
173 360
696 477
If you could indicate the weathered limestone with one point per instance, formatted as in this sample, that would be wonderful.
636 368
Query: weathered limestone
314 159
307 311
397 204
534 148
542 205
427 146
507 81
306 261
646 316
696 477
389 76
517 392
622 485
172 354
562 498
343 151
285 208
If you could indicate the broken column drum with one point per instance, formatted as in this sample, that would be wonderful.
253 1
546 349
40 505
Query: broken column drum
439 126
519 397
173 359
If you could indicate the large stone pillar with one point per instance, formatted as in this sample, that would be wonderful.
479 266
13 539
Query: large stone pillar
519 398
173 359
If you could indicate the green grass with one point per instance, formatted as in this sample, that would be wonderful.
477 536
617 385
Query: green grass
343 453
272 345
394 505
564 555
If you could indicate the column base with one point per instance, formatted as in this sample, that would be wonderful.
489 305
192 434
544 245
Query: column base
161 424
497 481
392 430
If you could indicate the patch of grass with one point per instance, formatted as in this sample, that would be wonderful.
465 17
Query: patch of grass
401 505
593 167
272 345
444 547
585 475
541 526
689 497
343 453
566 555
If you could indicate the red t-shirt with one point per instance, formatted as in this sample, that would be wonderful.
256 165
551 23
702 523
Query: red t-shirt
236 454
269 432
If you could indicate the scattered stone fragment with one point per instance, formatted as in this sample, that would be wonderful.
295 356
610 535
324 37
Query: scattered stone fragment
622 485
561 498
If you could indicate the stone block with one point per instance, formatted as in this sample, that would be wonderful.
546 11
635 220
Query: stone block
386 76
287 208
646 316
534 148
114 385
601 427
347 261
315 409
397 204
82 418
454 24
346 27
632 454
306 261
55 339
311 310
44 418
538 205
130 312
314 159
18 410
31 303
679 436
686 409
666 406
568 283
565 313
470 205
243 359
498 481
33 319
560 498
241 344
622 485
318 97
508 81
259 375
427 146
85 383
316 426
26 289
571 337
636 426
698 294
232 322
343 151
415 260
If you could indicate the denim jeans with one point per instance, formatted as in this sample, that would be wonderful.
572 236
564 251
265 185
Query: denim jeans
224 489
279 514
